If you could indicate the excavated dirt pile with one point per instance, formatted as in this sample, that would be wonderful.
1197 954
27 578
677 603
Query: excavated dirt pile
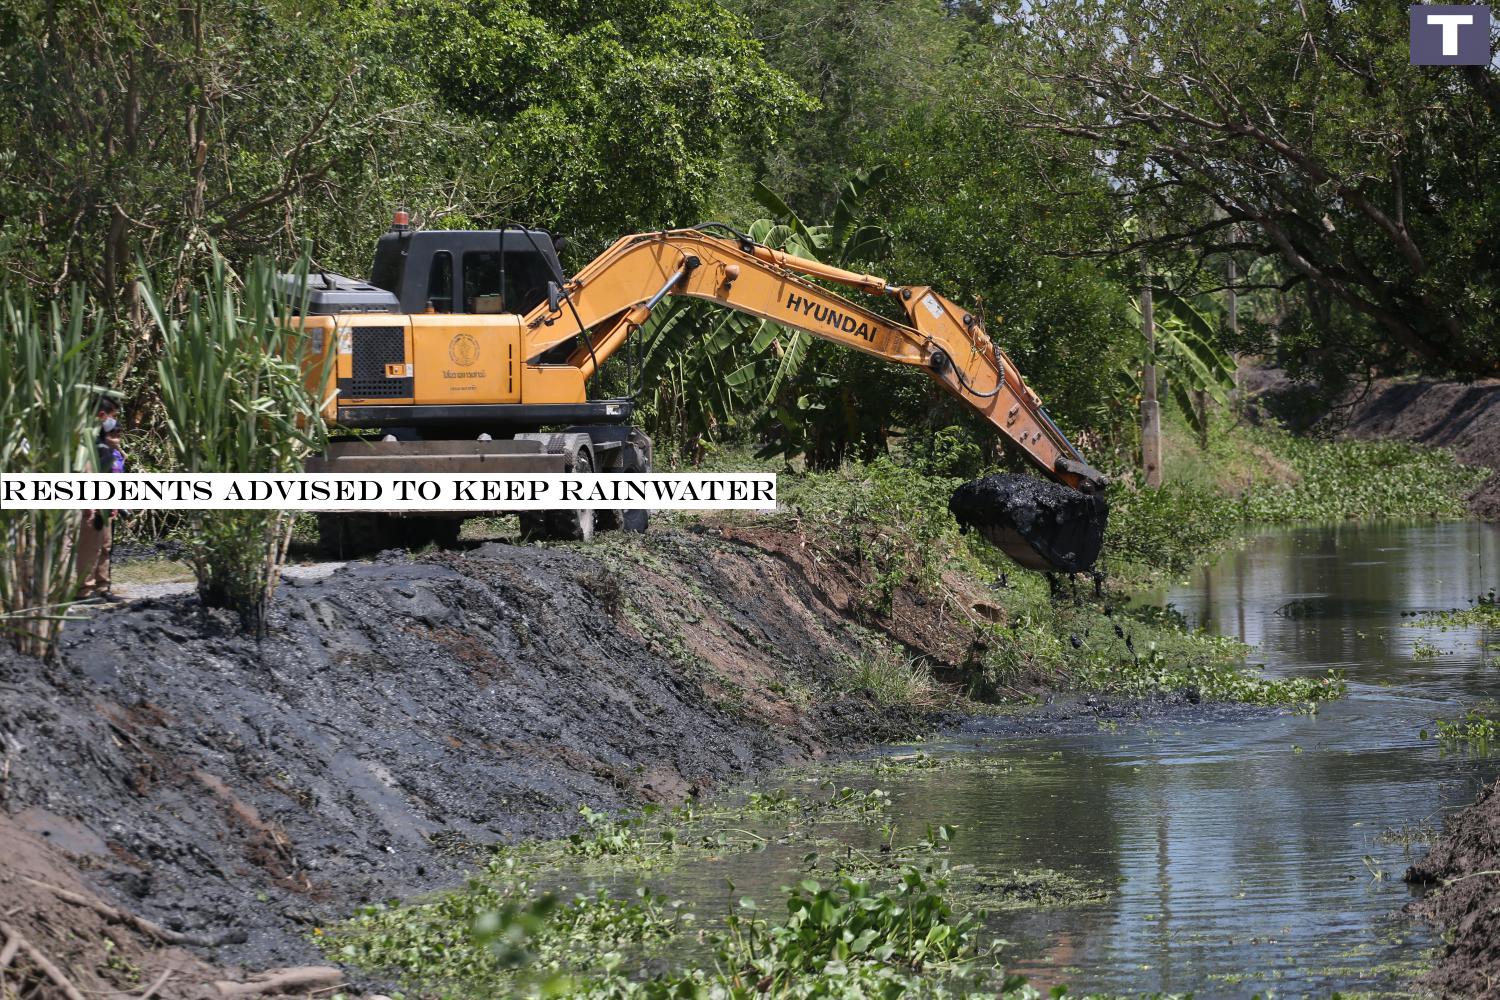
403 711
1462 865
1040 524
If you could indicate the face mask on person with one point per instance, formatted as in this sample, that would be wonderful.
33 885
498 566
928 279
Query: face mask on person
110 423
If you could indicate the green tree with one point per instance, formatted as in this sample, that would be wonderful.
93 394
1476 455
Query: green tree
974 215
866 63
599 116
1296 131
136 132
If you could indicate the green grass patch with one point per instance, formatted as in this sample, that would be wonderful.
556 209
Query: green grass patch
147 571
894 678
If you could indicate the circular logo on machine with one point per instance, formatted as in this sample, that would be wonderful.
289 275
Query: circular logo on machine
464 350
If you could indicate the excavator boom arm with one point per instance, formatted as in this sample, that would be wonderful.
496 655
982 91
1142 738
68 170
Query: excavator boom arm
614 295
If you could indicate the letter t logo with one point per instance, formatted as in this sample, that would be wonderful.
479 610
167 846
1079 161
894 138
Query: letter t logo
1450 23
1450 35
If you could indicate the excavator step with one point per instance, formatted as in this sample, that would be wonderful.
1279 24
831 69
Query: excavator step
504 456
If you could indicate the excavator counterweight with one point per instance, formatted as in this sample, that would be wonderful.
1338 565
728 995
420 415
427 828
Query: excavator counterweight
477 337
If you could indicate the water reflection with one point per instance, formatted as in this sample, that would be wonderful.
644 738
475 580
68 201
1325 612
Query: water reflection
1251 855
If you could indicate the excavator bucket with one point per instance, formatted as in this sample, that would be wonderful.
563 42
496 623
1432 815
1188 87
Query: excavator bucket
1039 524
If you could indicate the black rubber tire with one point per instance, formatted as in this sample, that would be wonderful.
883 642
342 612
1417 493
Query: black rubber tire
533 525
354 534
635 521
419 532
625 520
573 525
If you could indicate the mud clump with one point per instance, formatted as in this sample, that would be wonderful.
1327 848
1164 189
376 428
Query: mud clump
1041 525
1466 900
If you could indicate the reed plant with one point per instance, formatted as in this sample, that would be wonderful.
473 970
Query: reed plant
234 399
47 407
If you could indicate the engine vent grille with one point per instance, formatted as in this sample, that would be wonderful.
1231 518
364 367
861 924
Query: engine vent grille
374 347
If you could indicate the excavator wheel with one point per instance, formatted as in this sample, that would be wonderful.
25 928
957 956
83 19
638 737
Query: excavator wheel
633 461
355 534
417 532
350 535
635 520
573 525
533 525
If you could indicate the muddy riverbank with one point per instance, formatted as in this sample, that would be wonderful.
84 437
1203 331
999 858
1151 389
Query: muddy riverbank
404 712
1463 871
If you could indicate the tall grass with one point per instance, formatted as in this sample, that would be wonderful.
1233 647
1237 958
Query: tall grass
47 406
894 679
234 399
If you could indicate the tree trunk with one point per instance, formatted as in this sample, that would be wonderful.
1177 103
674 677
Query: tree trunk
1150 411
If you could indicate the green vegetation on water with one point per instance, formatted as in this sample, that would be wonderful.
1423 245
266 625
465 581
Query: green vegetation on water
883 920
1249 477
1474 732
1477 731
1365 480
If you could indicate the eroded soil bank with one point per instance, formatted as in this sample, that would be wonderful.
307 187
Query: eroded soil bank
404 711
1464 868
1463 417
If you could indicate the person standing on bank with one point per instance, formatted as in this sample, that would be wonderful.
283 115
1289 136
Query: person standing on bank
95 540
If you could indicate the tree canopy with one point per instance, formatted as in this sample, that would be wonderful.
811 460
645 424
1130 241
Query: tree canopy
1029 154
1296 131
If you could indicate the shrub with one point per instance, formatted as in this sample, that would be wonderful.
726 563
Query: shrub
46 425
234 399
1170 528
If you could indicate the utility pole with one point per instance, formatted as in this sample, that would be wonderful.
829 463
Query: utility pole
1231 276
1150 411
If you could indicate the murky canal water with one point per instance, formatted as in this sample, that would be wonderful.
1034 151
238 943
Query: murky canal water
1261 854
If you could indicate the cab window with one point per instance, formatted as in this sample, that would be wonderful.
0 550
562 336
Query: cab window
440 283
526 276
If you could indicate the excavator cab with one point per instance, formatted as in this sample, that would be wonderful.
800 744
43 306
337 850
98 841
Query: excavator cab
466 271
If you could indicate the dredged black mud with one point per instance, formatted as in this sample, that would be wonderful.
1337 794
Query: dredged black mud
1063 527
399 714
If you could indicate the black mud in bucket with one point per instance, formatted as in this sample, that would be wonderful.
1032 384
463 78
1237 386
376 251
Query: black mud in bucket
1041 525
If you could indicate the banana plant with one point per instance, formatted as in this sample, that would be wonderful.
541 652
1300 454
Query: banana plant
1187 354
704 367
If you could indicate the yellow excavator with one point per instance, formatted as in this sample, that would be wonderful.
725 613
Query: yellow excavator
470 351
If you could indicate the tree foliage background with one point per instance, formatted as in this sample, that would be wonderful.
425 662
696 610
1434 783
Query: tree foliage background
1029 154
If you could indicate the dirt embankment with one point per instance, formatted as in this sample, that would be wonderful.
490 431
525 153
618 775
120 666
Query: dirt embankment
402 712
1464 867
1462 417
